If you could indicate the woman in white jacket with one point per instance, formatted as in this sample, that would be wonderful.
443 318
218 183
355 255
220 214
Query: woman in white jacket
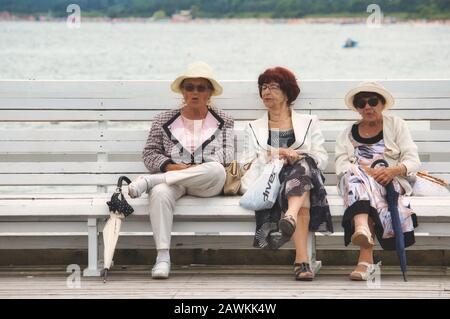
376 136
302 205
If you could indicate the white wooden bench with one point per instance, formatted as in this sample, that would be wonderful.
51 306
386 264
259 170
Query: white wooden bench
63 144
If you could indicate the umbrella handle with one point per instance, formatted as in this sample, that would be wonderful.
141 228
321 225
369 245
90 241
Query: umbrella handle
379 161
120 181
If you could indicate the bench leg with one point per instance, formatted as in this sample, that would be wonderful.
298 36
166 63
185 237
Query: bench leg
315 264
92 270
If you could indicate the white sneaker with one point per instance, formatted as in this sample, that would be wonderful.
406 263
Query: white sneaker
161 270
138 187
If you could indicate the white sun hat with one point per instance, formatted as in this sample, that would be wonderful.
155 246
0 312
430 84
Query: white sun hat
197 70
369 87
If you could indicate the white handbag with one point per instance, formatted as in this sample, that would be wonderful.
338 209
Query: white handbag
263 193
250 173
427 185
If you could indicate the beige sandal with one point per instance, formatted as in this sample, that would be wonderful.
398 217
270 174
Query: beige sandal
362 237
363 275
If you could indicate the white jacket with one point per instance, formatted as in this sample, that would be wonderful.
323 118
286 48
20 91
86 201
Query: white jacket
399 149
308 140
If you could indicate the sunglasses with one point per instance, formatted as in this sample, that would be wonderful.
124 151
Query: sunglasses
361 103
200 88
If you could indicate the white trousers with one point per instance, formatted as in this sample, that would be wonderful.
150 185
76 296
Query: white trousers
204 180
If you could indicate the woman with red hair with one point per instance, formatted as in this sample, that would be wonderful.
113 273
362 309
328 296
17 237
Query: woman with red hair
297 139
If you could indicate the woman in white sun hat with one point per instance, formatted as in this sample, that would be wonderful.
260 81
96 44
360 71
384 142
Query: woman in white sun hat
185 153
375 136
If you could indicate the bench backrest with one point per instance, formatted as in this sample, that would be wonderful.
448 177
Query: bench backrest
79 136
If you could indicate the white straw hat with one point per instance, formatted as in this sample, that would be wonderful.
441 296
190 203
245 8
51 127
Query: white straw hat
197 70
369 87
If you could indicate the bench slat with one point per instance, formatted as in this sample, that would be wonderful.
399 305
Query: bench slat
104 179
187 207
250 101
136 147
160 89
73 135
137 167
141 135
147 115
203 228
444 114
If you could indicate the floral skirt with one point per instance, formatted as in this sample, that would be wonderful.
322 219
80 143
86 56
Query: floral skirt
362 194
303 176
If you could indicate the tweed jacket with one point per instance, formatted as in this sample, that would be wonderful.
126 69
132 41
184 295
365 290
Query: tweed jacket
163 147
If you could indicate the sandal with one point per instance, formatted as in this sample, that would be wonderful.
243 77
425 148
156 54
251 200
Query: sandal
303 272
363 275
287 225
362 237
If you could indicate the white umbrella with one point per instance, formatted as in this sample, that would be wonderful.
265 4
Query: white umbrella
119 209
110 237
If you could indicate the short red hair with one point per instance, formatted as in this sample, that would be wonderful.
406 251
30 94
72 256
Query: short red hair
285 78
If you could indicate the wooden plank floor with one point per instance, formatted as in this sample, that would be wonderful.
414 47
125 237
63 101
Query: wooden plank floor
211 282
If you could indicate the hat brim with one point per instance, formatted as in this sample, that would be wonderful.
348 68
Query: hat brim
351 94
175 86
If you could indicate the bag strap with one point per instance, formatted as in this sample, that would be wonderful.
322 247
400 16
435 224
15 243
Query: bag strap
234 168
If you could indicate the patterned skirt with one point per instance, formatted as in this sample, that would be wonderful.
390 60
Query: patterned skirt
362 194
303 176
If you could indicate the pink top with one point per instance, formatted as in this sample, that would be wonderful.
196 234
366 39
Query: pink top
193 133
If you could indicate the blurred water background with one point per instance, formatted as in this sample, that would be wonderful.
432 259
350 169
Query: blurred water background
147 51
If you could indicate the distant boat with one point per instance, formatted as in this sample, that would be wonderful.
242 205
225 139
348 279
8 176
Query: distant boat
349 43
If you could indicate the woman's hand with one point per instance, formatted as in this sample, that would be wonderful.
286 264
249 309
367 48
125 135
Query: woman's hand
288 155
177 167
384 175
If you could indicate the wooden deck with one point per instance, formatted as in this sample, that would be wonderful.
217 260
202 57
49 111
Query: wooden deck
236 282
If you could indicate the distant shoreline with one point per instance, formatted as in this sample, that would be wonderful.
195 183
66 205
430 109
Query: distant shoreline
7 17
237 21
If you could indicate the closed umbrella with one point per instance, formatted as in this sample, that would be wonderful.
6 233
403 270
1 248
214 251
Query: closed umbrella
119 209
392 200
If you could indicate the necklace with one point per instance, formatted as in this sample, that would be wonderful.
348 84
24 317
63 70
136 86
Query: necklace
367 134
374 128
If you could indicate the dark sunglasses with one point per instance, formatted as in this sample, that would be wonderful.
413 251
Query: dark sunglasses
361 103
200 88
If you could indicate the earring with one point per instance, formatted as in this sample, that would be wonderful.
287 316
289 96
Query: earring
183 102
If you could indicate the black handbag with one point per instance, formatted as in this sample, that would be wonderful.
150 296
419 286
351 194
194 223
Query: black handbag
118 204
